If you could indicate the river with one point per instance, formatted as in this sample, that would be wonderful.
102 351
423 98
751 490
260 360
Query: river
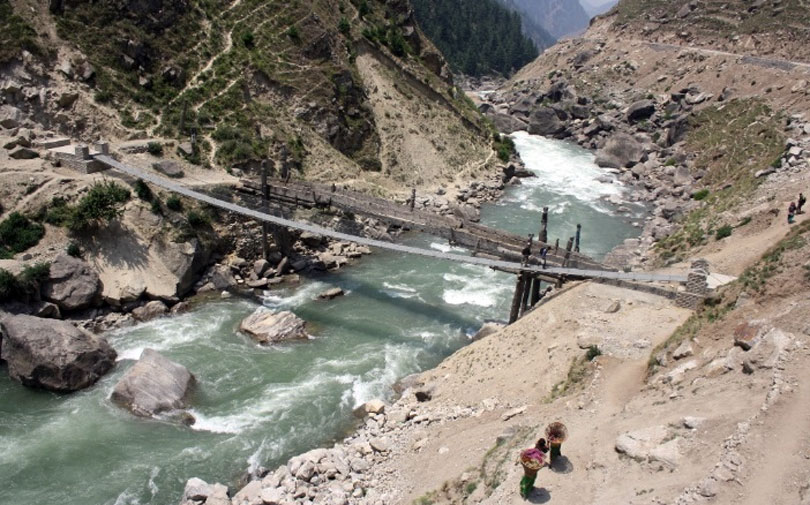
260 405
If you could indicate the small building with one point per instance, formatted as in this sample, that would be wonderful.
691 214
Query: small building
80 157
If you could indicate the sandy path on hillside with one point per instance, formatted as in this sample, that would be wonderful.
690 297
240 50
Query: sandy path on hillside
519 366
782 451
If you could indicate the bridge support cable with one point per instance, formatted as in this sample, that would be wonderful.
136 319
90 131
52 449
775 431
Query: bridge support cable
318 230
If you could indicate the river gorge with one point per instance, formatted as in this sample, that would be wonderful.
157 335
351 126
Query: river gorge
257 406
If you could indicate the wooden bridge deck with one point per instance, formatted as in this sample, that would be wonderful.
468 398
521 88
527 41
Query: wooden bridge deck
474 236
468 235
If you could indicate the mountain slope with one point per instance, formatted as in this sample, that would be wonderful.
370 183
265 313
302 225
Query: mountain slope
596 7
558 17
477 37
250 80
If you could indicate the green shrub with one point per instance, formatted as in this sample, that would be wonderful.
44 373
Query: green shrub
294 34
198 219
670 162
103 96
100 205
58 212
248 40
397 44
505 147
700 195
592 352
155 148
143 191
174 203
74 250
363 9
723 232
8 286
18 233
33 275
344 26
24 286
156 208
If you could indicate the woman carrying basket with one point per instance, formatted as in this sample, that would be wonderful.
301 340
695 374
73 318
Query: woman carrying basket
532 460
556 433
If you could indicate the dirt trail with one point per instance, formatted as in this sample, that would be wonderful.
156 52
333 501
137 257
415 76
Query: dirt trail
783 451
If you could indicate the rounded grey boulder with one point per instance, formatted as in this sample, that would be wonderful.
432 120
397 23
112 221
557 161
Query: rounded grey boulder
153 385
267 327
72 284
53 355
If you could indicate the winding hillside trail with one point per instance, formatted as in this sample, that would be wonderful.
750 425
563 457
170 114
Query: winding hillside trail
786 452
760 61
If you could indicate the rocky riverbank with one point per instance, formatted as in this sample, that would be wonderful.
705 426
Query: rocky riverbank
642 141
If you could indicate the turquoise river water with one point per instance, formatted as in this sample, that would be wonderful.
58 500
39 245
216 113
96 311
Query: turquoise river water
260 405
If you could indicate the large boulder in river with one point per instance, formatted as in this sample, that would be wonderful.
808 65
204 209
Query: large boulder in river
268 327
507 124
621 150
153 385
71 284
53 355
544 121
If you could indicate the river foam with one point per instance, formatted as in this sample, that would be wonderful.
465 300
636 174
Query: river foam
565 169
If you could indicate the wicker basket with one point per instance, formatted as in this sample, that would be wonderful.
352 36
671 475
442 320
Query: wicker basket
556 433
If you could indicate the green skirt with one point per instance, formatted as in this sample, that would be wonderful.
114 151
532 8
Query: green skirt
527 484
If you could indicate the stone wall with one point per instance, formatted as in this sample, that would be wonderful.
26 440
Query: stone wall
696 287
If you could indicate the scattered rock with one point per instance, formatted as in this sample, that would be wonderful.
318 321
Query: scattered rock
487 329
693 422
260 266
67 99
375 406
153 385
380 444
267 327
329 294
185 148
180 308
544 121
677 375
10 117
197 490
640 110
514 412
620 151
613 307
150 310
650 444
52 354
251 494
168 168
746 335
683 351
222 278
23 153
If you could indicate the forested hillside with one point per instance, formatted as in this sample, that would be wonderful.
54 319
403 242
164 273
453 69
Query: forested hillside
531 27
477 37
